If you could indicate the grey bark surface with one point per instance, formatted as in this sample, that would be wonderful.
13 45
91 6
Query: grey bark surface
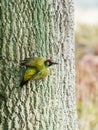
40 28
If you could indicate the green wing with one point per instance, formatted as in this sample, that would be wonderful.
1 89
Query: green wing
38 62
32 74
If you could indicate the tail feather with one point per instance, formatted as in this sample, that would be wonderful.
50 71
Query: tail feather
23 83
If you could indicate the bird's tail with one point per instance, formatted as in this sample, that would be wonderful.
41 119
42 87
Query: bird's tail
23 83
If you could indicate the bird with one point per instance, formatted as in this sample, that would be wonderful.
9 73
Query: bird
36 68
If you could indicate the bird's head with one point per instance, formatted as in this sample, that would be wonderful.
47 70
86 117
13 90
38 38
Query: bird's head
50 62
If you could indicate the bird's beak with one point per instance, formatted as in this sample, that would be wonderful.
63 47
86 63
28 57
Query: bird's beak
54 63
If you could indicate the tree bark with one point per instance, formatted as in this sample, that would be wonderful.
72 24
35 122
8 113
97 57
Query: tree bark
37 28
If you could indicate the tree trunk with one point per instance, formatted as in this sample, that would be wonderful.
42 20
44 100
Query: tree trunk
37 28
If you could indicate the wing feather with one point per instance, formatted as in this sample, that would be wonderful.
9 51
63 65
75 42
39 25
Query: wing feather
26 61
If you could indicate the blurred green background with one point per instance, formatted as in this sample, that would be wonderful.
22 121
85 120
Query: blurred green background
86 39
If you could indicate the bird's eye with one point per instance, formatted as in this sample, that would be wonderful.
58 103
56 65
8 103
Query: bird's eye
48 63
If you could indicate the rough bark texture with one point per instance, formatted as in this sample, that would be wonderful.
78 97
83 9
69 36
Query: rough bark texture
40 28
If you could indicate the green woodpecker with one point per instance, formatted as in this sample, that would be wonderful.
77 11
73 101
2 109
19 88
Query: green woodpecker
36 68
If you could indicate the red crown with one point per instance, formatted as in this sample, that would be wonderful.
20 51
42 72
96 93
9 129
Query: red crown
50 60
